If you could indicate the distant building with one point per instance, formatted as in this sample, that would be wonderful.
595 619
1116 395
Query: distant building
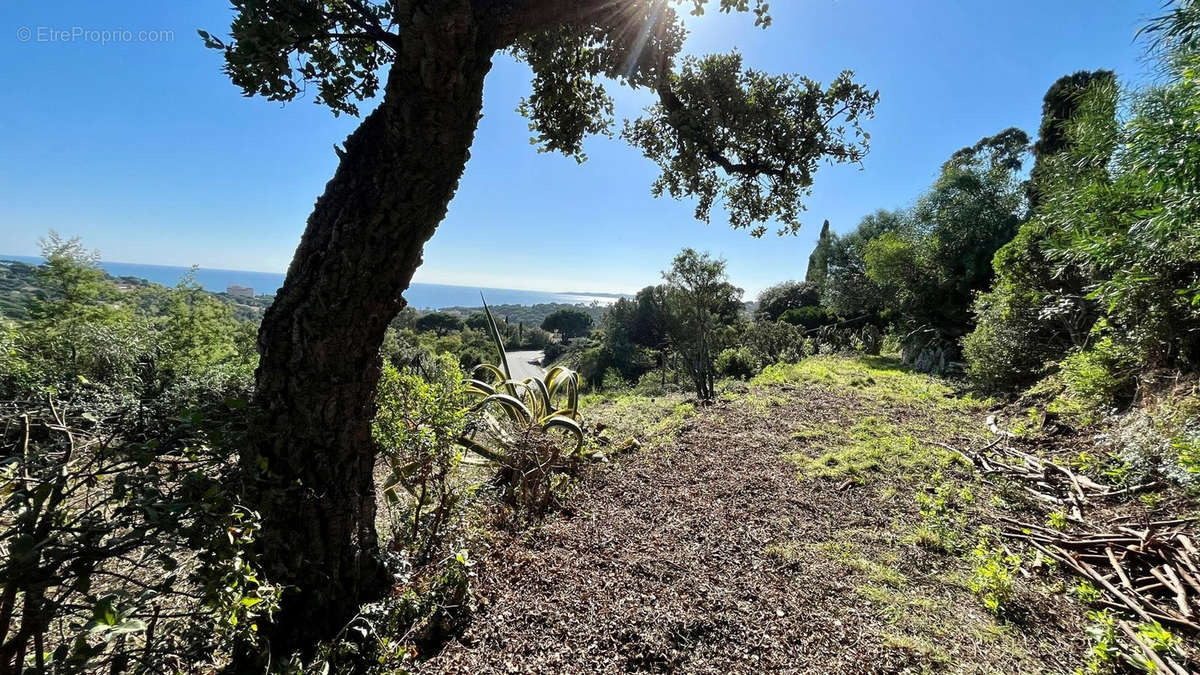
240 291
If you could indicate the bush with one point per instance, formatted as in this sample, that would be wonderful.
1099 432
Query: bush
1102 375
774 342
1010 347
124 552
810 317
552 352
781 297
416 427
739 363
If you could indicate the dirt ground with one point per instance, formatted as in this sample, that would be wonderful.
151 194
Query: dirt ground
774 533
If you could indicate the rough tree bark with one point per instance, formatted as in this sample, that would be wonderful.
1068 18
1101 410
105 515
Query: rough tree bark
319 341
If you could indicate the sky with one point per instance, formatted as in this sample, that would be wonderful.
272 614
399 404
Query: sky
145 150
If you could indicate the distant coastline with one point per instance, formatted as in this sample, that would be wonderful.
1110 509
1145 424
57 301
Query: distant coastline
418 295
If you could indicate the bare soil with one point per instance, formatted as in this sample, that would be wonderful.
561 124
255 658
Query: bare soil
711 555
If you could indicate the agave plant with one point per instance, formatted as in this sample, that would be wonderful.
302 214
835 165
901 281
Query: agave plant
510 410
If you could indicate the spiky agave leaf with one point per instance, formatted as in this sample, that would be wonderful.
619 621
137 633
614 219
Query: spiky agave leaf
566 424
512 406
496 375
498 342
399 478
564 379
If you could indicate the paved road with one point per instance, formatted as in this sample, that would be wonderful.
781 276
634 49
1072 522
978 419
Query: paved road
525 364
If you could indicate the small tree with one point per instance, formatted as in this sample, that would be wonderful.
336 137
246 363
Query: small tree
570 322
700 300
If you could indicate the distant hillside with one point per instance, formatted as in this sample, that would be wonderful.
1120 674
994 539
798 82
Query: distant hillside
19 284
532 315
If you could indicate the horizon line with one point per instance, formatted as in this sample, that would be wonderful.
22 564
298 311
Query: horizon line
604 294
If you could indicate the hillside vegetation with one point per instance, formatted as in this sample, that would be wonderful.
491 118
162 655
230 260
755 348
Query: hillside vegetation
968 441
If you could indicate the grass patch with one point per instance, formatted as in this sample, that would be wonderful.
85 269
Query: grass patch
871 445
875 571
880 378
918 648
652 420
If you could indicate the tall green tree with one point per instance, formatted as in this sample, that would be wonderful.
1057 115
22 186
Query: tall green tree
720 132
700 301
1060 106
1038 309
569 322
930 271
439 322
818 260
848 292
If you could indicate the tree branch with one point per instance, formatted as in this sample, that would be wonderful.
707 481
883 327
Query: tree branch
676 110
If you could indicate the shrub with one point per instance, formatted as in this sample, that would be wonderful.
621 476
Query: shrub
774 342
781 297
1101 375
122 553
552 352
740 363
416 428
1009 347
811 317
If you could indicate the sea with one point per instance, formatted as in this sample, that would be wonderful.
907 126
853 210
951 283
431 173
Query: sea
421 296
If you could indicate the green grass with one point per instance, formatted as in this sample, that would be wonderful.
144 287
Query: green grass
652 420
872 445
880 378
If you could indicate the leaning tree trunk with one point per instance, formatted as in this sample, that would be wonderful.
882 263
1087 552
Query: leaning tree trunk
319 342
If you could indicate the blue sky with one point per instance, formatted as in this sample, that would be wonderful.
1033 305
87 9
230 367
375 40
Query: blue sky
147 152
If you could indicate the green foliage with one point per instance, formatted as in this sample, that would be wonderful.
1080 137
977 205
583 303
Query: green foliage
818 260
700 302
199 332
1057 520
929 271
440 323
847 290
1159 639
785 296
1106 270
1101 375
809 318
705 132
417 426
737 362
569 322
710 120
128 545
1087 593
993 576
774 342
1059 110
943 514
117 514
1105 651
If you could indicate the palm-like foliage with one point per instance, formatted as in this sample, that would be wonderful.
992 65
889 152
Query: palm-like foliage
509 409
